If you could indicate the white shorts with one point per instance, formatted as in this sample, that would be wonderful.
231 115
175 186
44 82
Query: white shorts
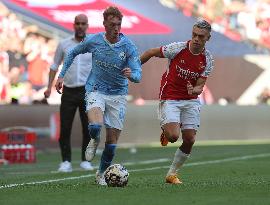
112 106
184 112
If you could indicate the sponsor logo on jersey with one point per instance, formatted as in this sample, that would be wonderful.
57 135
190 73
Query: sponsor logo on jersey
186 74
107 65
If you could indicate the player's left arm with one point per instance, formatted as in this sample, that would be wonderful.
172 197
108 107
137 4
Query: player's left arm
134 69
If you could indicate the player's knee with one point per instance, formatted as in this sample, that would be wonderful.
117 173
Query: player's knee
173 137
189 141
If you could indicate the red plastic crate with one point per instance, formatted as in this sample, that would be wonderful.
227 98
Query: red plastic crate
17 135
17 145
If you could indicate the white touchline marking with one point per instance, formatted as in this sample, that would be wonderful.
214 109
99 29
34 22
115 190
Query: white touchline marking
46 181
95 167
148 161
208 162
144 169
130 163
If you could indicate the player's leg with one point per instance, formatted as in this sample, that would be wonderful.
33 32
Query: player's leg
68 108
188 136
113 120
86 136
190 117
95 107
169 115
181 155
171 131
108 153
112 136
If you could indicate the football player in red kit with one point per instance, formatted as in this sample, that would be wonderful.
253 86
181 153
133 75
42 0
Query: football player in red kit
189 65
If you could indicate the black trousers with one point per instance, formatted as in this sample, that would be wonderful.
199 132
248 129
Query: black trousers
72 98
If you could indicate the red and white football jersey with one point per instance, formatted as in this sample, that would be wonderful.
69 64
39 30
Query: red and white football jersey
183 66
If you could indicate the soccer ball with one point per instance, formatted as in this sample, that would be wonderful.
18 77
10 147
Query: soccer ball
116 175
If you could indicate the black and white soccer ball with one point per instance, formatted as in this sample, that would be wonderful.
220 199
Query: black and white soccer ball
116 175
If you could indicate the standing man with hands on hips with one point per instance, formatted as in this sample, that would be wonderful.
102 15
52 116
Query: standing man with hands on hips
73 93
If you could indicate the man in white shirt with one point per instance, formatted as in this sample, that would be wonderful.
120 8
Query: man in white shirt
73 93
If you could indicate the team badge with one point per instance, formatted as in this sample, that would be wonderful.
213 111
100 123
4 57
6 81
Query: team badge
122 55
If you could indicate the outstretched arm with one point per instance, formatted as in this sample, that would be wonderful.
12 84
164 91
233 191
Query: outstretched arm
58 58
83 47
151 53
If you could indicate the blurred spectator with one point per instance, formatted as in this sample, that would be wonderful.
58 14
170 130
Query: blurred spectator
4 90
38 64
16 56
4 80
20 92
224 101
264 97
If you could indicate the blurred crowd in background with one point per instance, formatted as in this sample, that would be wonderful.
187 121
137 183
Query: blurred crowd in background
26 54
25 57
241 20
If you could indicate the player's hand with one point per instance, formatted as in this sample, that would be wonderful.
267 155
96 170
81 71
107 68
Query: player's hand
189 88
127 72
59 85
47 93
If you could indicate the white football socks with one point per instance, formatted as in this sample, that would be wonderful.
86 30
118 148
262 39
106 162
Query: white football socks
178 161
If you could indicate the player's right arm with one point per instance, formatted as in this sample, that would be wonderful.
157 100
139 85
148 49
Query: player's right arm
58 58
153 52
48 91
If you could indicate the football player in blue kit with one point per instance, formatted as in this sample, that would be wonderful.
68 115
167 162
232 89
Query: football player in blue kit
115 61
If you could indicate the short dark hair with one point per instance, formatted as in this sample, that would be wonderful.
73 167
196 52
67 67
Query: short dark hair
203 24
112 11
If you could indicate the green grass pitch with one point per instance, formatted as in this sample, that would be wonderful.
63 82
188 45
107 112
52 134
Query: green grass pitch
214 174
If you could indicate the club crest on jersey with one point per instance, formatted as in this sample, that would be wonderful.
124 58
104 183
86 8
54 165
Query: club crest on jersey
122 55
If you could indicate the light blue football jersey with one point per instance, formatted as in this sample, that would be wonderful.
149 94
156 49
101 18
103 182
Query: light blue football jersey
108 62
